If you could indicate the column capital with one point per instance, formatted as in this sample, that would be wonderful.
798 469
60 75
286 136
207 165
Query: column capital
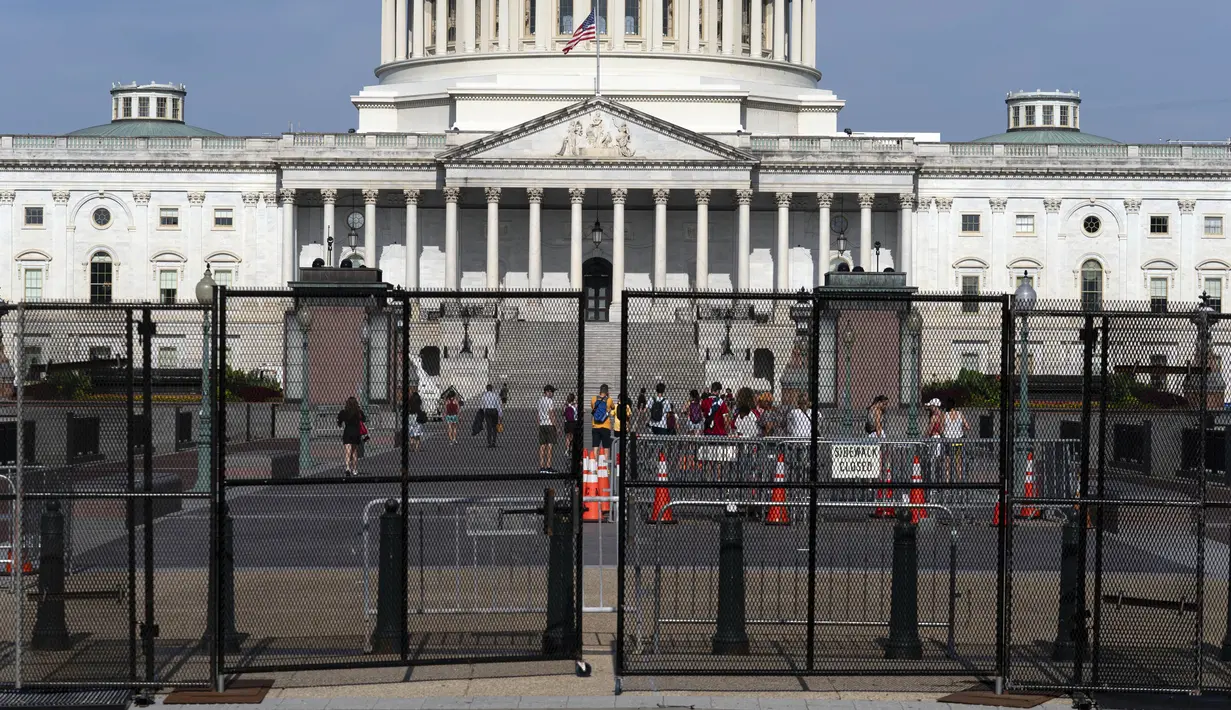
824 199
329 195
743 197
619 195
452 194
866 200
7 197
703 196
534 194
411 196
783 198
251 198
196 198
370 196
1052 204
60 197
141 197
998 204
270 199
660 195
287 195
576 195
944 204
925 204
906 200
492 194
1187 206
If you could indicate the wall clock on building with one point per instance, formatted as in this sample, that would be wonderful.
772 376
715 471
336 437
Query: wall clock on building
101 217
355 220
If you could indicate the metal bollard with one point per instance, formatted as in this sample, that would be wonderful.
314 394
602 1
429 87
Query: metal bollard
1066 619
232 640
903 642
387 637
731 638
560 636
50 630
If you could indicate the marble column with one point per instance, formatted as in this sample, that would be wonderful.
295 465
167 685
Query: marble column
387 20
823 201
251 226
693 26
7 198
1132 247
329 198
618 196
402 29
418 30
906 244
442 27
370 258
923 260
544 27
412 239
732 25
711 26
755 48
465 27
1052 259
1000 243
940 246
866 200
493 237
615 23
452 194
702 282
576 197
486 25
809 33
660 237
742 239
504 24
141 239
60 286
1188 252
782 282
287 194
797 30
535 228
779 30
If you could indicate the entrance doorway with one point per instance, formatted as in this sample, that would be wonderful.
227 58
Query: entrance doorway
596 281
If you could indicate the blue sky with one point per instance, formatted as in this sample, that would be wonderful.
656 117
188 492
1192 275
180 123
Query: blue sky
1146 70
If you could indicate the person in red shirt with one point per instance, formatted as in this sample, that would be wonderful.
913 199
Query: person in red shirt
717 413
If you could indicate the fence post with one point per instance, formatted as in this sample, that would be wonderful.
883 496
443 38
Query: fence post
731 638
904 640
50 630
1070 550
231 638
387 636
1147 447
273 420
559 635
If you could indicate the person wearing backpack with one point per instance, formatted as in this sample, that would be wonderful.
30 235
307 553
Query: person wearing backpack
570 422
717 413
660 411
696 415
602 408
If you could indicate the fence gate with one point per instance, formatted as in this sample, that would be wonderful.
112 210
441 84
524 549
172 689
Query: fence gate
435 544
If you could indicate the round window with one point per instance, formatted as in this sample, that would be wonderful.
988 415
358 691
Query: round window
102 217
1091 225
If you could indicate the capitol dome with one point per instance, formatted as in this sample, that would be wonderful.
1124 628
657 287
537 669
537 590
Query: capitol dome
1045 118
147 111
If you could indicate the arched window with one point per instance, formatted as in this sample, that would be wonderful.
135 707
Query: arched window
100 278
1091 285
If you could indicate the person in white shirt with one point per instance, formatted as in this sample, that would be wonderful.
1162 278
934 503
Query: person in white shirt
493 415
661 406
799 425
548 426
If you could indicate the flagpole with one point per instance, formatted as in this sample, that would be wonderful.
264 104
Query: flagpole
598 35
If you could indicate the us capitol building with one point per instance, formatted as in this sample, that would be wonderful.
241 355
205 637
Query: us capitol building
711 159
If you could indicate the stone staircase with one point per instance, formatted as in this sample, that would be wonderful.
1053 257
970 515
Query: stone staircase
602 358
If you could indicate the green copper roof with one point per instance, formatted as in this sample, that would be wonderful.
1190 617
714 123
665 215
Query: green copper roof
1047 137
145 129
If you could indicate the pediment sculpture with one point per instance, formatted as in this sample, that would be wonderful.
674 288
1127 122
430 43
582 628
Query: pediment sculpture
595 140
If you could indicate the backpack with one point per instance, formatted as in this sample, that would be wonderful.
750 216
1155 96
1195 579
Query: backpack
695 414
656 409
709 413
600 411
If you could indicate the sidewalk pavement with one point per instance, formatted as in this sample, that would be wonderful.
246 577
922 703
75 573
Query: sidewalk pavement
590 702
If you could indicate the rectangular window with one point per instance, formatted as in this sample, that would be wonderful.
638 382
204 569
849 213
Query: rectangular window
1024 279
1017 116
1030 115
115 109
1158 380
168 285
168 357
566 17
143 107
970 224
1213 225
224 277
632 17
1048 115
1160 224
100 352
169 217
175 109
1158 294
224 218
34 285
1213 289
128 107
1025 224
970 287
1064 116
161 107
34 216
970 362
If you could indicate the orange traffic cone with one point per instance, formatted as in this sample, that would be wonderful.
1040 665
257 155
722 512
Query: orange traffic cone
1029 511
917 496
996 515
885 494
778 514
662 497
590 511
604 480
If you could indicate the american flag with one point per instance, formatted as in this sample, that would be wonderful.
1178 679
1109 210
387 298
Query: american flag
583 33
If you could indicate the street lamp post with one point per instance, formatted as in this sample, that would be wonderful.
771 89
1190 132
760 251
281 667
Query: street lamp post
848 339
914 327
205 420
303 317
1023 302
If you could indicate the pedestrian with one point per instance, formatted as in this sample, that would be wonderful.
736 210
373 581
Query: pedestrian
764 412
493 415
799 425
874 423
351 419
504 394
414 410
717 413
625 419
548 428
642 403
453 414
661 411
746 424
955 430
696 414
934 429
570 423
602 408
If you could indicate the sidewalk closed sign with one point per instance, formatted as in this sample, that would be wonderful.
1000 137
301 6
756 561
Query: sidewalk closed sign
856 461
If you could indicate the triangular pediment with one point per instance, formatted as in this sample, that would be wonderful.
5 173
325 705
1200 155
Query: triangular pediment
597 129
